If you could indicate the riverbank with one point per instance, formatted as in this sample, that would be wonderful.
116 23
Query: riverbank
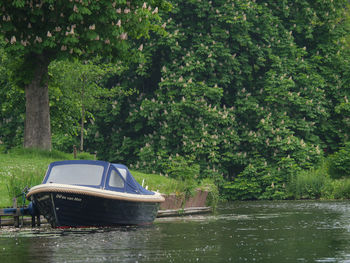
22 168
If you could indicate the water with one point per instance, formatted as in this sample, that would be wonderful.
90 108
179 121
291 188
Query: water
287 231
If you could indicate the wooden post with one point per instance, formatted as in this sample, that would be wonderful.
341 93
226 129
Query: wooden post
15 217
33 221
75 151
38 220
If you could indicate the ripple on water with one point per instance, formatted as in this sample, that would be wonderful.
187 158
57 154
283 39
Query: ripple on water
242 231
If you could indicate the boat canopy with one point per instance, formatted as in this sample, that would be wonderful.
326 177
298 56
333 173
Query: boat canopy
96 174
131 185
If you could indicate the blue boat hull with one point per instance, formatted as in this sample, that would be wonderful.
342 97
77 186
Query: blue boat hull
83 210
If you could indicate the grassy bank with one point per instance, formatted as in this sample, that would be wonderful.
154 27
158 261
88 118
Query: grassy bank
22 168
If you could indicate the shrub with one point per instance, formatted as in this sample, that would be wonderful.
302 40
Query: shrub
213 192
241 189
337 189
183 169
339 163
64 142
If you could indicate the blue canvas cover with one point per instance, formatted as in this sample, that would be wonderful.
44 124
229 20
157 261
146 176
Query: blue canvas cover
132 186
91 174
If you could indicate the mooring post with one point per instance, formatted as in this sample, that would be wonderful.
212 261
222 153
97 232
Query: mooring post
33 221
38 220
74 151
15 217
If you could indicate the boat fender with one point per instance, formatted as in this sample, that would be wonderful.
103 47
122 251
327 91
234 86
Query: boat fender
9 210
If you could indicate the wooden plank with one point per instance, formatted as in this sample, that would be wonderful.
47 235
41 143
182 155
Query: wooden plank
185 211
27 221
12 211
7 211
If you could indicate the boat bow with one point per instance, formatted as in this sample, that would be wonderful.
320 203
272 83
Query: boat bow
103 193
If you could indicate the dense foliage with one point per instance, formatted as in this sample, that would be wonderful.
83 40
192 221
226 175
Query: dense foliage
249 93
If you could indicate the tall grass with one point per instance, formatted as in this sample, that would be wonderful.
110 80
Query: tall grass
20 180
20 168
309 184
318 184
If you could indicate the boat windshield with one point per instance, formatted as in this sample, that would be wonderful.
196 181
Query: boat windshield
82 174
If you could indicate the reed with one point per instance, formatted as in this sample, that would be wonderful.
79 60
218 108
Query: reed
309 184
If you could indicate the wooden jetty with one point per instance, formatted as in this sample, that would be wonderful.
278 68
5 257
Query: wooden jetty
16 216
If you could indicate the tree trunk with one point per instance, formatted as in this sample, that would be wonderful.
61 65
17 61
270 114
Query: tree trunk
82 116
37 131
82 128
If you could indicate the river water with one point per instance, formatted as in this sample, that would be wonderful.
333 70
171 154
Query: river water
285 231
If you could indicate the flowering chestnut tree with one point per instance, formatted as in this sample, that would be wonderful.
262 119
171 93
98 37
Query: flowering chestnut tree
244 89
37 32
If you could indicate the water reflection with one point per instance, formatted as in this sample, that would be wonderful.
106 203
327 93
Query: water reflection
237 232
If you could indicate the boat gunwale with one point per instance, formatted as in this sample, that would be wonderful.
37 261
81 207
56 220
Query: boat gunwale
89 191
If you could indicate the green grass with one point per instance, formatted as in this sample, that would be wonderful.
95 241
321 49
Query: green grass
159 183
20 168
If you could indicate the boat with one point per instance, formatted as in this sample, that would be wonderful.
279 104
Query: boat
85 193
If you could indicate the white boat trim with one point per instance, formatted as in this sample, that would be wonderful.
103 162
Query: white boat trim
83 190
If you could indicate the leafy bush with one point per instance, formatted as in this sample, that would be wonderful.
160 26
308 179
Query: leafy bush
339 163
247 185
182 169
213 192
241 189
336 189
64 142
342 189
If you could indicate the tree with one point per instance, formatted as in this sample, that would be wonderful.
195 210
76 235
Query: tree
76 89
246 89
40 31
